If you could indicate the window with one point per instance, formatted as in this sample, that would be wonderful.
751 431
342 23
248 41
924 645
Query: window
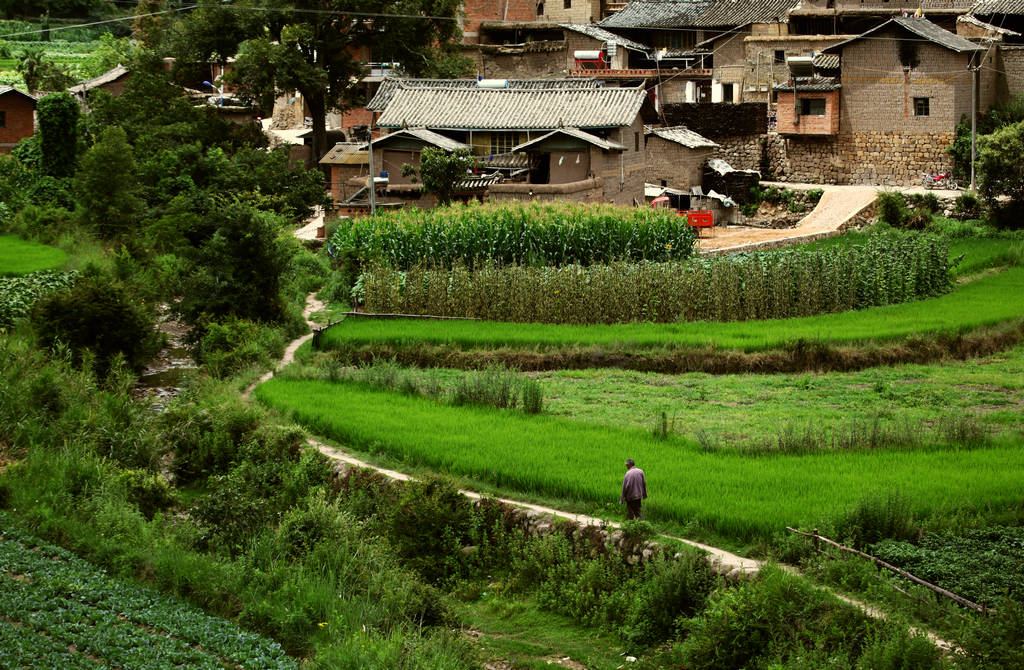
566 4
780 56
920 106
502 143
636 141
540 9
727 93
812 106
3 119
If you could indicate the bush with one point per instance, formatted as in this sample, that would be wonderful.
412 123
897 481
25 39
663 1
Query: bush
877 518
99 317
967 206
665 590
892 209
235 344
428 525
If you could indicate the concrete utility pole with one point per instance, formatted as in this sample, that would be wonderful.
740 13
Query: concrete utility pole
373 181
974 121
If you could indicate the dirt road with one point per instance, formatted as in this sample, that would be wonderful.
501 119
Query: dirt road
838 205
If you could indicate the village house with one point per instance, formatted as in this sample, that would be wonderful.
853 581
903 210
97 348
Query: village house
17 117
676 157
584 143
891 114
113 81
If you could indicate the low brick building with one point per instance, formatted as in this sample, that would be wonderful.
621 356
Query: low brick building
113 81
676 157
17 117
808 107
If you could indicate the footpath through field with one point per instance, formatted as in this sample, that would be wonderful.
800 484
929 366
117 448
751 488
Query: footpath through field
727 563
838 206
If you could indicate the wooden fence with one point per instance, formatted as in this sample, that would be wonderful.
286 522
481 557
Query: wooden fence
938 590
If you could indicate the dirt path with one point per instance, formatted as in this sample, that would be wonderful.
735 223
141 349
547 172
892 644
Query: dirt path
312 305
838 205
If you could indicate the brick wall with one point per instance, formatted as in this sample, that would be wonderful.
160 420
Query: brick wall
579 42
714 120
623 172
578 11
789 122
1012 60
762 73
478 11
729 58
678 166
18 112
878 94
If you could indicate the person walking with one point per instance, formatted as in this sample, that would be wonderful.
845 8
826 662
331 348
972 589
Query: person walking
634 490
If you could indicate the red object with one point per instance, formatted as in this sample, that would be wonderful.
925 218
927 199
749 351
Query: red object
660 198
699 219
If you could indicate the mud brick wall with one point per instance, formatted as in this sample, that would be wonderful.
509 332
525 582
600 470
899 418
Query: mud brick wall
678 166
722 119
537 60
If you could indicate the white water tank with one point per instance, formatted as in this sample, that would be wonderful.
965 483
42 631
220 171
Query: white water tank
587 55
492 83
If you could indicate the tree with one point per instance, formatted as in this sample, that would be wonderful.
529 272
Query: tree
58 134
319 47
41 74
237 271
441 171
106 186
1000 163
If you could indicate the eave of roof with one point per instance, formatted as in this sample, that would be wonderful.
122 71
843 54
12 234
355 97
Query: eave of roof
423 135
684 136
108 77
918 26
389 85
574 133
4 90
598 33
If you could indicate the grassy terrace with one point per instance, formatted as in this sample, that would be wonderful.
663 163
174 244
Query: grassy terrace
18 256
729 494
983 302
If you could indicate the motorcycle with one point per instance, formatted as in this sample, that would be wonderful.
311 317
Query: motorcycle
942 180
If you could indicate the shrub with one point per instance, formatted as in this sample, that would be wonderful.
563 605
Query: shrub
967 206
230 346
892 209
877 518
100 317
665 590
428 525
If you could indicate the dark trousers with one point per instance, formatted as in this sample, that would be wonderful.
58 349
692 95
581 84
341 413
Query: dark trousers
633 510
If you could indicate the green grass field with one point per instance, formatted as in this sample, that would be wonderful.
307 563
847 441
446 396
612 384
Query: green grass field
19 257
984 302
728 494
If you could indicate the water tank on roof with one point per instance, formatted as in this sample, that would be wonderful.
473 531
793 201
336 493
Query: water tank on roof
801 66
587 55
492 83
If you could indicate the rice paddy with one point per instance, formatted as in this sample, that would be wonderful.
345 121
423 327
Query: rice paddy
19 257
729 494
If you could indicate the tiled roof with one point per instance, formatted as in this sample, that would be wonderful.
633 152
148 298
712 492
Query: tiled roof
986 7
975 21
4 90
477 182
813 85
826 61
575 133
512 108
108 77
698 13
685 136
388 87
598 33
346 153
922 28
425 136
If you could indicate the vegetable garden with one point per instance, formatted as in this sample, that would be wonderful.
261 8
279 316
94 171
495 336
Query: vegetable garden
61 612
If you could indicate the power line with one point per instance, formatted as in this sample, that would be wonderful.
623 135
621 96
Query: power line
97 23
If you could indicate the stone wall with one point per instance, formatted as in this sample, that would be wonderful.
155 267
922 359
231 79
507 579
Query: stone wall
876 157
742 152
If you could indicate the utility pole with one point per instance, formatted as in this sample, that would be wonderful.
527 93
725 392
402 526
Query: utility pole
974 121
373 180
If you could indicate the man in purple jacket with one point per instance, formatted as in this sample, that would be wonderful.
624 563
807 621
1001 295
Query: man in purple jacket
634 489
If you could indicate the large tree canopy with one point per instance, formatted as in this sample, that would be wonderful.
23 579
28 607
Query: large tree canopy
319 48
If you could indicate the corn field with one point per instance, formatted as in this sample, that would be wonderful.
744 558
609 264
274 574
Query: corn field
768 285
553 234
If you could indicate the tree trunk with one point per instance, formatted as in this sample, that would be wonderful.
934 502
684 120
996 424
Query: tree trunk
318 112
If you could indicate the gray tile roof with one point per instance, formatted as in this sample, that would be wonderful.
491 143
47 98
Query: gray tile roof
346 153
826 61
813 85
423 135
512 108
922 28
388 87
684 136
599 33
975 21
986 7
107 77
4 90
698 13
575 133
